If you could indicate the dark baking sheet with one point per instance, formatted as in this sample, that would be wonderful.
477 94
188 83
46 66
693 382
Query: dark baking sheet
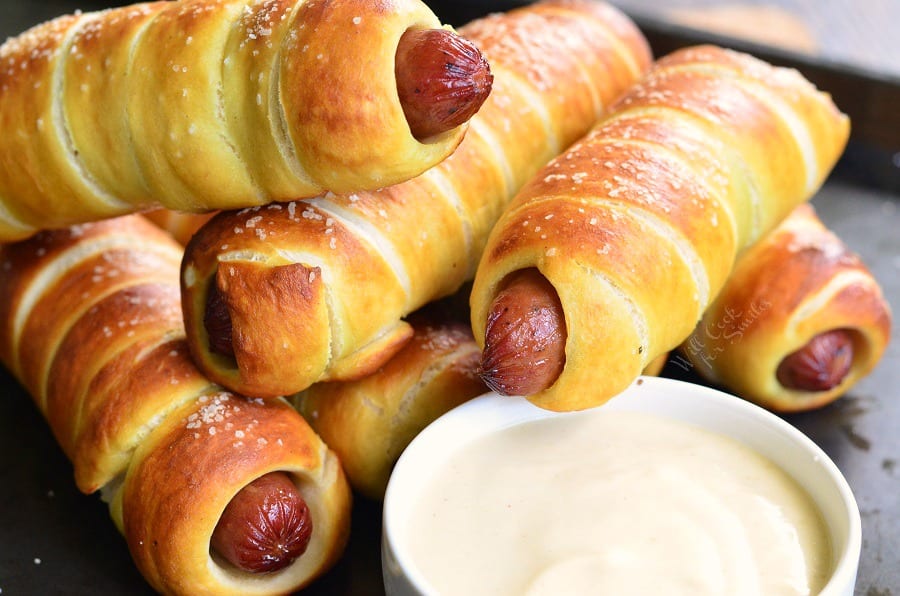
55 540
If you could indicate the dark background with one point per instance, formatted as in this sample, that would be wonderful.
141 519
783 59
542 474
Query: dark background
56 540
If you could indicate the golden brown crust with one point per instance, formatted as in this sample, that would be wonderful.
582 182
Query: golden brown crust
817 139
31 155
379 256
251 103
797 282
131 321
282 311
76 289
637 225
90 324
141 384
190 467
93 359
370 421
94 106
86 312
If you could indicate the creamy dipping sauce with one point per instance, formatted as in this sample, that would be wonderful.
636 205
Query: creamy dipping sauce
616 502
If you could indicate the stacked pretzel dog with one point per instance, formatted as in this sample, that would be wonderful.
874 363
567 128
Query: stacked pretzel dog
610 255
228 392
210 489
203 104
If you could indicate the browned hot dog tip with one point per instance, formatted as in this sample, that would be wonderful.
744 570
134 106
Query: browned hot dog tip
525 337
265 527
442 80
820 365
217 322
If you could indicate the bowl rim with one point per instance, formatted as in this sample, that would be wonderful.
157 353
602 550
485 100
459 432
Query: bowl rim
490 412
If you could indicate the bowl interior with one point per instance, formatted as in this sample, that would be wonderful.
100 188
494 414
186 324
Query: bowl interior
760 430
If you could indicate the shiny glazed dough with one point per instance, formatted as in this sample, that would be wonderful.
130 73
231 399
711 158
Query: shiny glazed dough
800 280
637 225
204 104
90 325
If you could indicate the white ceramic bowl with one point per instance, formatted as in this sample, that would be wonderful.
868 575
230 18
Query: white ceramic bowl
768 434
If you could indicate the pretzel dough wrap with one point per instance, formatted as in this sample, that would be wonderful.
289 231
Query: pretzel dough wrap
316 290
204 104
637 226
796 283
188 469
370 421
90 325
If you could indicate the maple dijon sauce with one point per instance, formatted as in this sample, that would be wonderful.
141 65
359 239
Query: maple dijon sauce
616 502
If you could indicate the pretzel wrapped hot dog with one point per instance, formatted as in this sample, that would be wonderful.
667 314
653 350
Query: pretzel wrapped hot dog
211 104
799 322
625 239
208 488
280 297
